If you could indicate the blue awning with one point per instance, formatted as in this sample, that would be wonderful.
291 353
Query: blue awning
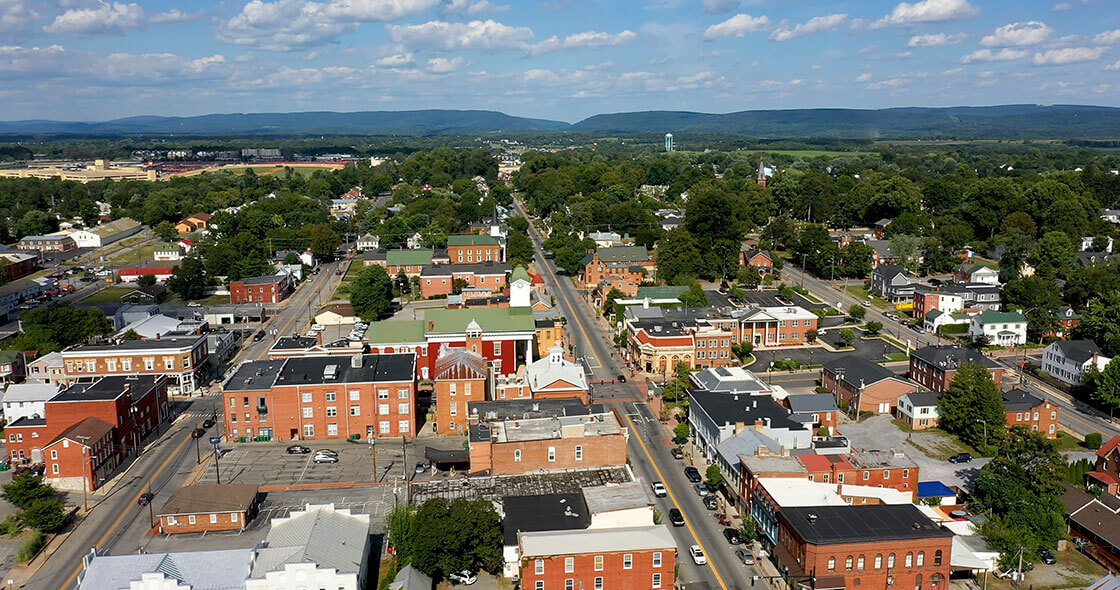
934 489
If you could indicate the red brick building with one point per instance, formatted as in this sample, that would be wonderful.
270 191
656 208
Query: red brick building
870 546
934 367
270 289
626 263
759 259
881 468
439 279
1033 413
1106 473
362 396
598 559
868 386
18 264
468 248
204 508
182 359
1065 320
82 453
926 300
460 378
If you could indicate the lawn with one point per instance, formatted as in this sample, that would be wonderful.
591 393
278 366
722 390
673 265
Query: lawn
107 295
145 252
1068 442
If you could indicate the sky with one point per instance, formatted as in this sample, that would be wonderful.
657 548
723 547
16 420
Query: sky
92 60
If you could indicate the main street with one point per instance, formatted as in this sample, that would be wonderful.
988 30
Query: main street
116 524
648 447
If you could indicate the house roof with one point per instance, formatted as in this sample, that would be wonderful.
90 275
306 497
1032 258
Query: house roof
1074 498
321 535
549 369
376 368
859 370
203 499
617 496
267 280
1078 351
1099 520
543 512
109 388
735 408
646 538
31 391
459 363
1109 446
824 462
951 357
923 399
88 429
520 274
342 309
495 319
824 525
477 268
1018 400
410 578
1001 317
197 570
812 402
409 257
396 331
623 254
472 240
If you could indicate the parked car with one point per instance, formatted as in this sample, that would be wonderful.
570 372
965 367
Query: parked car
732 536
865 303
745 556
258 336
659 489
326 452
701 489
961 458
710 502
145 498
675 517
198 433
693 474
194 304
207 423
1046 556
420 467
325 458
622 378
697 555
462 577
677 453
298 450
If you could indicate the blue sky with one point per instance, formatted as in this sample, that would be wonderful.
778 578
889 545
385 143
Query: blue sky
557 59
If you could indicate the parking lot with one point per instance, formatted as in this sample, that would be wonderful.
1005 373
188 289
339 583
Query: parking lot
270 464
928 449
873 349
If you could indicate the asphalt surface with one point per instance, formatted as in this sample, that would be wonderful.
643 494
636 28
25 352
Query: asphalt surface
648 449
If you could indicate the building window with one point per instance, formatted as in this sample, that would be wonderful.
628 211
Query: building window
937 557
517 455
330 396
921 558
306 397
909 560
656 580
656 559
551 454
150 365
126 364
598 583
233 402
905 474
110 365
579 452
309 412
569 584
831 564
233 517
213 519
402 426
839 478
355 396
860 561
866 475
402 409
332 411
382 409
538 568
886 474
598 563
91 366
879 561
309 430
402 393
54 468
191 519
890 561
848 563
382 394
168 363
384 427
569 565
355 410
539 585
627 561
54 454
332 429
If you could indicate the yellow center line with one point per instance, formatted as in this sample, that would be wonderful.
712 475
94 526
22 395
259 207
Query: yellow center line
673 497
124 512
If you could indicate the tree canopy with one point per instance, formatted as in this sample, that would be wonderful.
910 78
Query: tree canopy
371 293
972 407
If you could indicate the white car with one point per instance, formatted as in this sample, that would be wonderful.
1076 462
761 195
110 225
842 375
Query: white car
325 458
659 489
463 577
697 555
318 327
194 304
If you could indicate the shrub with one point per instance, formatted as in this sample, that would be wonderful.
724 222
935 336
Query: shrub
11 525
32 547
1093 440
45 514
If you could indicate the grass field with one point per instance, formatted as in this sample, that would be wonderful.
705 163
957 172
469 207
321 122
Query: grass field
816 153
145 252
107 295
267 169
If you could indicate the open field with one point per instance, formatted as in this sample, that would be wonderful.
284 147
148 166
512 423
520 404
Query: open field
816 153
145 252
305 169
107 295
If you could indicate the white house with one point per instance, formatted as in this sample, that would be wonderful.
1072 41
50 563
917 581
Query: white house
936 318
1000 328
1111 215
168 252
555 375
919 410
369 242
106 233
1067 360
317 547
415 241
1087 244
605 239
27 400
976 274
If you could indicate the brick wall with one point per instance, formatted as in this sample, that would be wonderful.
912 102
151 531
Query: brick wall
467 254
1042 419
933 553
610 567
203 521
597 451
458 392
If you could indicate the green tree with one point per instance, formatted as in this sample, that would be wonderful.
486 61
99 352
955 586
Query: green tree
36 223
608 304
847 336
714 476
131 334
681 432
749 276
748 531
743 350
1100 322
677 256
1053 254
695 296
873 328
1103 386
972 407
189 280
59 325
26 488
45 514
323 240
165 231
146 280
401 525
371 293
454 535
518 224
857 312
292 258
519 249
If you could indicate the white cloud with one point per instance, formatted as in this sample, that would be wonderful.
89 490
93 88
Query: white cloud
395 61
474 7
904 55
988 55
927 11
737 26
112 18
15 16
1108 37
1102 88
1068 55
888 83
720 6
582 40
291 24
488 34
936 40
14 58
1018 35
1114 67
54 62
864 77
695 77
442 65
816 24
953 72
1062 7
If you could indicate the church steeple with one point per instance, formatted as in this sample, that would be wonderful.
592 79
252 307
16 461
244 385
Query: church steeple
761 178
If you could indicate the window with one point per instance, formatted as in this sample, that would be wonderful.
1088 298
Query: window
517 455
539 585
909 560
831 564
150 365
402 426
382 394
168 363
126 364
860 561
330 396
866 475
538 568
569 584
233 517
905 473
579 452
308 430
937 557
452 388
245 401
382 409
402 409
233 402
402 393
569 565
886 474
383 427
921 558
306 397
332 429
332 411
355 396
213 519
191 519
54 454
1019 417
233 417
355 410
598 583
839 478
656 580
110 364
91 366
551 454
656 559
598 563
879 561
54 468
848 563
453 408
890 561
627 561
309 412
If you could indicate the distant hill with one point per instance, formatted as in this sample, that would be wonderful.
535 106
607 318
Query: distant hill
1008 121
425 122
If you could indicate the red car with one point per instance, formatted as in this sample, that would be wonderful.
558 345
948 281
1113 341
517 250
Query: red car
145 499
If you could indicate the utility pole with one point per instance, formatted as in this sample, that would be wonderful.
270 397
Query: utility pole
87 464
217 468
197 453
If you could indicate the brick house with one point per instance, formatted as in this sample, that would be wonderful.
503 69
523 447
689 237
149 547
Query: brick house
52 243
1106 473
361 396
82 453
1065 320
927 300
759 259
596 559
18 264
1036 414
439 279
883 468
868 386
206 508
181 358
918 410
269 289
460 378
13 366
562 440
873 546
933 367
470 248
821 407
626 262
196 222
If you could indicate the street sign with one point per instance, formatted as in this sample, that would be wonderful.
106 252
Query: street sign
215 440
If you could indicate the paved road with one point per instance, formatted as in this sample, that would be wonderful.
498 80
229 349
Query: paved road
648 449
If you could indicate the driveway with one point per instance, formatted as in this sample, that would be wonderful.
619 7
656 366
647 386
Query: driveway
928 449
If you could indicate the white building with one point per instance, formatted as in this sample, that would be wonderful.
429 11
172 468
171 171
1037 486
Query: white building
1087 244
369 242
317 547
1068 360
189 570
27 400
168 253
106 233
555 375
1000 328
936 318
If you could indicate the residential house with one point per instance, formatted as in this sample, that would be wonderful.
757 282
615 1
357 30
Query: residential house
893 282
821 407
863 385
976 274
336 314
1065 320
1001 329
196 222
368 242
12 366
605 239
976 296
881 254
629 557
209 508
1106 472
927 299
48 368
918 410
266 289
933 367
1094 526
759 259
936 319
27 400
1032 412
1068 360
145 295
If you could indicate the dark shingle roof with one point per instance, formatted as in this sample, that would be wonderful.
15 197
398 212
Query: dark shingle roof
951 357
734 408
1078 351
202 499
1018 400
857 369
823 525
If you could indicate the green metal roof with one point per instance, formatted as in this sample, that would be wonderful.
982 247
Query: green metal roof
409 257
396 331
623 254
934 314
493 319
472 240
995 317
519 273
662 292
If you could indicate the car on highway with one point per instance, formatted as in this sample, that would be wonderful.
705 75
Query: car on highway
697 555
298 450
710 502
659 489
701 489
1047 556
677 453
693 474
732 536
145 499
198 433
321 458
865 303
745 556
675 517
462 577
961 458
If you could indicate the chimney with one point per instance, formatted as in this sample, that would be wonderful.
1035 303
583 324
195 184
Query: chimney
759 424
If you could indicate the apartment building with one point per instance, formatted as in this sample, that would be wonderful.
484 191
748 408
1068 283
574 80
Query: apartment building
631 263
267 289
558 439
630 557
468 248
181 358
934 367
51 243
1032 412
1068 360
440 279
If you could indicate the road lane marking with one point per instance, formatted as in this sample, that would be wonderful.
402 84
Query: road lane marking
676 504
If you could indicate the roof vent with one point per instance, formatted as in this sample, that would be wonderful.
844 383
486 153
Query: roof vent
812 518
356 361
570 513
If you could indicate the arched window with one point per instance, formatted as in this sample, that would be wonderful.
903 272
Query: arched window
918 582
860 562
921 558
909 560
831 564
937 557
848 563
890 561
879 561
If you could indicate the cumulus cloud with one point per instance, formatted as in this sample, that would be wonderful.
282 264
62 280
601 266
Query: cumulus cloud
989 55
888 83
1062 7
1108 37
112 18
814 25
1114 67
55 62
1018 35
863 77
737 26
1068 55
477 34
14 58
582 40
292 24
394 61
15 15
720 6
474 7
927 11
443 65
936 40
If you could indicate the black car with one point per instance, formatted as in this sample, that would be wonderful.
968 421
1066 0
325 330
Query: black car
198 433
298 450
961 458
675 517
693 474
622 378
258 336
207 423
732 536
1046 556
145 499
676 453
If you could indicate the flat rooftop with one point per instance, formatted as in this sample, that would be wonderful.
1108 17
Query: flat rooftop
823 525
109 388
555 428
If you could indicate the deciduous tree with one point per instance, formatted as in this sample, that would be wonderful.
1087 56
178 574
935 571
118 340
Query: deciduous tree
972 407
371 293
